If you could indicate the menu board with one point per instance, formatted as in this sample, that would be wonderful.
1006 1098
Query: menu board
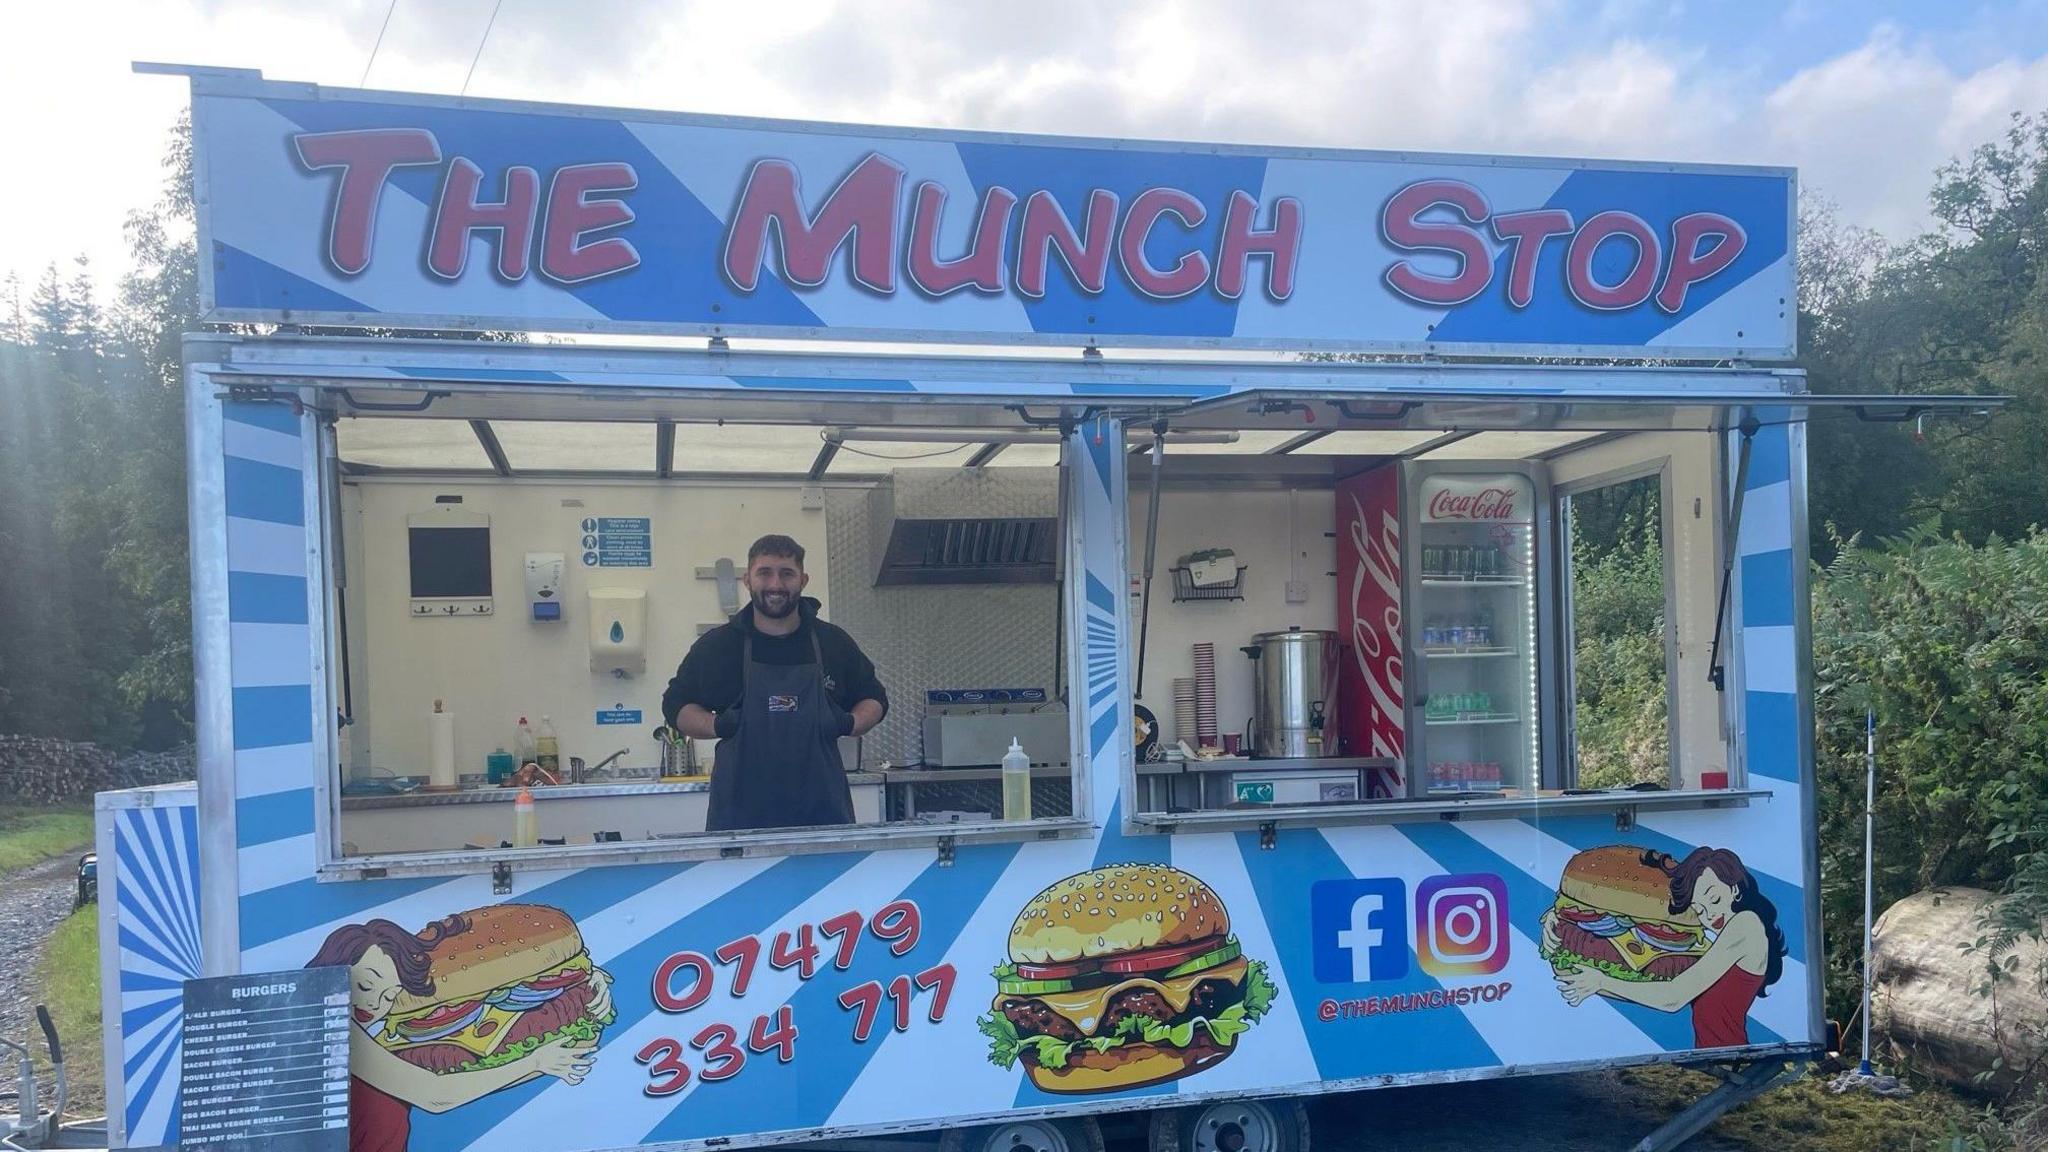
266 1062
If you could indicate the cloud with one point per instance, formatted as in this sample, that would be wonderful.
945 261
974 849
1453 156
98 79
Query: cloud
1622 79
1870 126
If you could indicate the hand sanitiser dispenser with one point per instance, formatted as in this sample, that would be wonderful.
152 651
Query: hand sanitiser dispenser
544 585
618 631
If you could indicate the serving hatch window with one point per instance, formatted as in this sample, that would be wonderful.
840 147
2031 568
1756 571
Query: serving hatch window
1380 611
524 604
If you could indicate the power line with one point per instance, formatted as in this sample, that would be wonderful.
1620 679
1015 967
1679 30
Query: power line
488 24
381 29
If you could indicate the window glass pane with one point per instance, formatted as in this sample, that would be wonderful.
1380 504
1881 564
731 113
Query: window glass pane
1027 456
1506 445
385 442
561 446
870 456
762 448
1620 724
1368 443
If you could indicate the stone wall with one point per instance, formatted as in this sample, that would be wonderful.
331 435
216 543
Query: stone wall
35 770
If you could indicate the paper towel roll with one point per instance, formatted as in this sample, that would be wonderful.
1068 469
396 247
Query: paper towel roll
441 749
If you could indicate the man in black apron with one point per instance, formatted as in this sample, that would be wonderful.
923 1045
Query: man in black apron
777 687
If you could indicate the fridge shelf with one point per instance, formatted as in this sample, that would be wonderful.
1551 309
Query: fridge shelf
1469 653
1468 721
1474 582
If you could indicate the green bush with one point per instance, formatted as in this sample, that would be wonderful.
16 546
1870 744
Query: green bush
1618 636
1949 642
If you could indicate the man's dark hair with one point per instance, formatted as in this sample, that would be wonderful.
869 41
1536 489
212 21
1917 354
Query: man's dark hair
776 545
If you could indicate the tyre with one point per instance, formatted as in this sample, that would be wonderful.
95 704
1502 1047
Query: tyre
1079 1134
1271 1125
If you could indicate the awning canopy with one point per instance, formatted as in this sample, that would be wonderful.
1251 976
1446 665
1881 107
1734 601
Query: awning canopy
511 409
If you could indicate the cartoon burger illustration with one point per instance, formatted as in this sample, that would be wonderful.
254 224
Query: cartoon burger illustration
508 980
1613 913
1122 977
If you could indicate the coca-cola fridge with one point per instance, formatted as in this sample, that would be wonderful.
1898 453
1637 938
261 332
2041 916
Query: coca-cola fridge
1445 589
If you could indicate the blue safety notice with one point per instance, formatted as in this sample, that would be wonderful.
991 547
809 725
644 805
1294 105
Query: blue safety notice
618 715
617 542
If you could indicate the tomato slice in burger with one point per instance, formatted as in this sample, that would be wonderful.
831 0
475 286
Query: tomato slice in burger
442 1016
1158 959
562 979
1661 932
1055 971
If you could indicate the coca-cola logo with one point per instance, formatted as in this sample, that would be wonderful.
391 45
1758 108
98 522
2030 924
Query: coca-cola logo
1485 504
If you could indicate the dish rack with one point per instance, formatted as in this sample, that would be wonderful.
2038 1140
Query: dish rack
1185 588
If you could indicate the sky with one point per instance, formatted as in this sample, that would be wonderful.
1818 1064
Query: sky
1865 97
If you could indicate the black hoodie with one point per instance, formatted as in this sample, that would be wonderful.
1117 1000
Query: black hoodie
710 675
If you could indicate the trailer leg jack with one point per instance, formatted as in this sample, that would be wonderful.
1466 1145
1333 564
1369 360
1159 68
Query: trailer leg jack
1737 1088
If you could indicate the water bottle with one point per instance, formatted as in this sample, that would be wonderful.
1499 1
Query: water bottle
547 749
1016 783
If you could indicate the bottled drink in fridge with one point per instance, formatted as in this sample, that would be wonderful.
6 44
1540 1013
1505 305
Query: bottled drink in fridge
1016 783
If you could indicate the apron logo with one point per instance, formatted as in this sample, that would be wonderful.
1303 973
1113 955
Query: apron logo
782 703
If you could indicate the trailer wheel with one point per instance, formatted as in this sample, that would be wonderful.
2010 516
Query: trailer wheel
1078 1134
1232 1126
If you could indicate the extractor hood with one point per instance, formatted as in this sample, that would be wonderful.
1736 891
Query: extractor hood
966 526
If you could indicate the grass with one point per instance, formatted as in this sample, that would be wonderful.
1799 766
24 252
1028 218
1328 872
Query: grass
68 981
1806 1117
29 836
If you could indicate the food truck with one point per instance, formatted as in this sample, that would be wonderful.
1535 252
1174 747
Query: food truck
1234 486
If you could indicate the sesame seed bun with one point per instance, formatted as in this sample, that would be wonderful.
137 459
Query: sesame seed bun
1615 879
1114 910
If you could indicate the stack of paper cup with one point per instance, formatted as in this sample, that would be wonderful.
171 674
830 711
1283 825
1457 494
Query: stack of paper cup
1205 694
1184 712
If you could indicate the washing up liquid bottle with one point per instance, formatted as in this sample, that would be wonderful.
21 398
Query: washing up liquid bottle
548 749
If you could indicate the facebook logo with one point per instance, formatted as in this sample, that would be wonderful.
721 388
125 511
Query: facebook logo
1360 929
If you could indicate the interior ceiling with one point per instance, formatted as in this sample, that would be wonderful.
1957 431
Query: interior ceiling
759 441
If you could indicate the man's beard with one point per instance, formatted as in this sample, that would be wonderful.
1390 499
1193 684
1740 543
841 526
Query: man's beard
763 606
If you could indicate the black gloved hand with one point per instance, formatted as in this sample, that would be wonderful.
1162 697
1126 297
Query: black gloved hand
727 723
846 723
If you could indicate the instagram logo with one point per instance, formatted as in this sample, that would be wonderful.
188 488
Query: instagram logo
1461 924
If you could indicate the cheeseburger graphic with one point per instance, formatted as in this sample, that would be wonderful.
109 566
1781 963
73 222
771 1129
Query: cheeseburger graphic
510 979
1122 977
1613 913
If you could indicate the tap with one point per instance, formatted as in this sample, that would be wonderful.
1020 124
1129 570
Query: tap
604 764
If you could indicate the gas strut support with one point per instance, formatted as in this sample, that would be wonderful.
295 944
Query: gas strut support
1717 673
1151 549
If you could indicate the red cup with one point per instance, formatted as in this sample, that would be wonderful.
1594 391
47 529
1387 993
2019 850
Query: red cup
1713 779
1232 741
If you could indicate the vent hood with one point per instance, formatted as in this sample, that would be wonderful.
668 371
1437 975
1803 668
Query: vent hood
966 526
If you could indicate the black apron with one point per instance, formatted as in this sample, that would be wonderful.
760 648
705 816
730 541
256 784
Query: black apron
782 768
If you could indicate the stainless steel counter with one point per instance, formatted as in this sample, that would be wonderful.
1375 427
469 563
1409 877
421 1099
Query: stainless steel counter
1309 764
421 799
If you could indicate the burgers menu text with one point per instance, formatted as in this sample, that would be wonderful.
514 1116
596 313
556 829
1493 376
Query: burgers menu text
266 1062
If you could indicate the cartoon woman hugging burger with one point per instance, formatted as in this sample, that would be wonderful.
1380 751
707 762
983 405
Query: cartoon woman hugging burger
476 1003
1667 934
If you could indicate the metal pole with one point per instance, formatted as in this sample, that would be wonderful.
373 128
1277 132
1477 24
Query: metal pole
1869 866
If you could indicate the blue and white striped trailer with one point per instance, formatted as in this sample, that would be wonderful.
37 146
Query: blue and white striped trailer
757 988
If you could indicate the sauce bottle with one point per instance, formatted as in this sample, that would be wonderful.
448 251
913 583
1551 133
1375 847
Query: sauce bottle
1016 783
525 821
